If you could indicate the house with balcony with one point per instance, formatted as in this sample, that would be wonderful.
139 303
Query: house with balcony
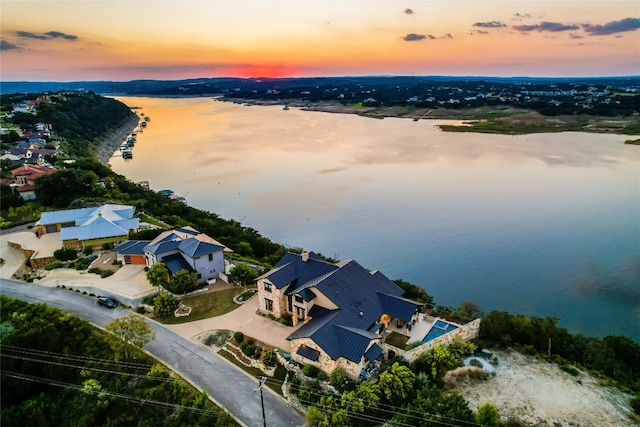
184 248
340 311
23 179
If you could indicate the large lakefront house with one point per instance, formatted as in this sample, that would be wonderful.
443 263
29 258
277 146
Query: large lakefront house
184 248
343 313
85 227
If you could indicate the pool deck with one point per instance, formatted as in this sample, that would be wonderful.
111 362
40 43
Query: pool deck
418 330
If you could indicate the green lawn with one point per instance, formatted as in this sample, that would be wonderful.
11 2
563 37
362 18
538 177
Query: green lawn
397 340
203 306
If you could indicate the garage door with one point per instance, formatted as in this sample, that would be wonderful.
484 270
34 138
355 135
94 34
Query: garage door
52 228
135 259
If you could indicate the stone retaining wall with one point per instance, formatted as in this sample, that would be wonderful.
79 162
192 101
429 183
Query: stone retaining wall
35 262
466 332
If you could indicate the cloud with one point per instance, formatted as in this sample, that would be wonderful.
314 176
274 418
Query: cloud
28 35
46 36
520 16
575 36
59 35
481 32
408 11
490 24
447 36
553 27
613 27
5 45
412 37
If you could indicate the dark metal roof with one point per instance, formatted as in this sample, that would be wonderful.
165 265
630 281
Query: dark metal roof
307 294
131 247
292 268
175 263
195 248
308 353
361 297
373 353
399 307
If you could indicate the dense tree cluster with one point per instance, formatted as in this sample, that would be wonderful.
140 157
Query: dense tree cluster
59 370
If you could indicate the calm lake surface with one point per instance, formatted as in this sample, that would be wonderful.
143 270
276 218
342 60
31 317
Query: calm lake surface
545 224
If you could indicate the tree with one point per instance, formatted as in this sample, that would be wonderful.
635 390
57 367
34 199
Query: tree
183 281
396 383
129 330
164 304
243 274
62 187
488 415
9 198
158 275
469 310
338 377
329 416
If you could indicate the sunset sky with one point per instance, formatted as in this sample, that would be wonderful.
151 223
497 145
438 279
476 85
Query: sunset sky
126 40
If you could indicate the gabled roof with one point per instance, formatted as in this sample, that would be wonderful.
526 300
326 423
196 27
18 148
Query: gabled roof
131 247
176 262
373 353
361 297
292 268
195 248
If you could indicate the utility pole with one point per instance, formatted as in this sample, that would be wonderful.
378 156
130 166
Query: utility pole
262 381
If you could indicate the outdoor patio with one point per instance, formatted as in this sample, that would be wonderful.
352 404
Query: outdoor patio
415 331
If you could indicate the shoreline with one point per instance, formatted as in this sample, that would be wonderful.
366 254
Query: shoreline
109 143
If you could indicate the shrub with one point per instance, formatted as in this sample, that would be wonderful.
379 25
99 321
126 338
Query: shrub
65 254
269 358
107 246
476 363
53 266
570 370
248 348
94 270
88 250
635 404
105 273
287 319
311 371
338 377
412 344
141 310
238 336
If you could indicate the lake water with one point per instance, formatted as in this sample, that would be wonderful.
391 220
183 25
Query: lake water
545 224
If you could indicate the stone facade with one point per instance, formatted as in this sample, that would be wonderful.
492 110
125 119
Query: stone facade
466 332
324 362
268 292
35 262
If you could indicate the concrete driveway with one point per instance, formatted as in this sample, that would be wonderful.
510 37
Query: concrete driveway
243 319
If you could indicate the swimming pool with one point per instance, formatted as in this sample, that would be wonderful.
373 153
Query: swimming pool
438 329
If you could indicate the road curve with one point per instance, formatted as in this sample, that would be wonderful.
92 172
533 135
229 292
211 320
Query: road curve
226 384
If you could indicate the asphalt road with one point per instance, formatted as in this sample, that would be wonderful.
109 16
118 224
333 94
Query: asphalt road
230 387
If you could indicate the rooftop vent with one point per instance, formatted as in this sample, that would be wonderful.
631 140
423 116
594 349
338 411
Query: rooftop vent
361 314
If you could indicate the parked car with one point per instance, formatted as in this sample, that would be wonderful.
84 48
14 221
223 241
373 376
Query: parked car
107 302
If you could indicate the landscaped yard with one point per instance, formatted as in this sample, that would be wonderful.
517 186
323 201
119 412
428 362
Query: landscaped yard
397 340
205 305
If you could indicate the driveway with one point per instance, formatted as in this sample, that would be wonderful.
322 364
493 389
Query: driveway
245 320
228 386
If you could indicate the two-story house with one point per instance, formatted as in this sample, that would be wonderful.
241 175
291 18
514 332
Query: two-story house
184 248
343 309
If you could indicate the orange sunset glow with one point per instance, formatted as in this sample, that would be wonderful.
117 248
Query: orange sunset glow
99 40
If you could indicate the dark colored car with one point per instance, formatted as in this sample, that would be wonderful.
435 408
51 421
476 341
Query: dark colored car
107 302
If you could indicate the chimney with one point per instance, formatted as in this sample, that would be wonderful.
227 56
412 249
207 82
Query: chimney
305 256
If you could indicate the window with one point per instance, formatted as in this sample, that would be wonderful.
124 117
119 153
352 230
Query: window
299 299
268 304
210 257
268 287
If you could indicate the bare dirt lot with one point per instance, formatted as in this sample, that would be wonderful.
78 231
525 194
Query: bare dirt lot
540 394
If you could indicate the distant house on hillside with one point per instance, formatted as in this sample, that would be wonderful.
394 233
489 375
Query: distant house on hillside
184 248
23 179
90 226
